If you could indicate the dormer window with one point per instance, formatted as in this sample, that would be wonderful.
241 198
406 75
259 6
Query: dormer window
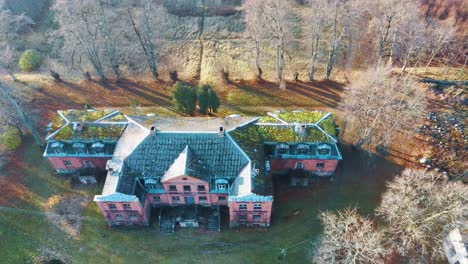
79 147
302 149
221 184
57 147
282 148
97 147
324 149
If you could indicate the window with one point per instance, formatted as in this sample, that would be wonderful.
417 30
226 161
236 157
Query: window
257 206
202 199
172 188
184 179
242 218
221 198
112 206
201 188
88 164
156 199
299 166
257 217
324 149
242 206
221 186
118 217
67 162
187 188
176 199
133 217
127 206
302 149
282 149
320 165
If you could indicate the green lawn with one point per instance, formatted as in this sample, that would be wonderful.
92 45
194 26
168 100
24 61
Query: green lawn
24 234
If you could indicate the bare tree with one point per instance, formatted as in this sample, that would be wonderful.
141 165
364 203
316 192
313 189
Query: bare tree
338 23
144 22
412 41
11 26
80 23
277 14
440 35
420 208
314 16
349 238
112 27
380 104
8 60
255 28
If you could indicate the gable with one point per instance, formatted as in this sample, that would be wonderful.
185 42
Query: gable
180 179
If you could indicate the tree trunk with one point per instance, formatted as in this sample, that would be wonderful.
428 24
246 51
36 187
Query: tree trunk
408 56
313 59
392 47
280 63
12 75
257 60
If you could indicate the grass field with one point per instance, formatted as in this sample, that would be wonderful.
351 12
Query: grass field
26 234
28 184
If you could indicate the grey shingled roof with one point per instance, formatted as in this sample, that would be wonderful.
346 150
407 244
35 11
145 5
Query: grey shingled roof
216 155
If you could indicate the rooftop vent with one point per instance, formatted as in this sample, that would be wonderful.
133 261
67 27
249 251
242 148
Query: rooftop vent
301 130
77 126
153 130
221 131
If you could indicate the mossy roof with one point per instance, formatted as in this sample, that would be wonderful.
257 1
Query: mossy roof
286 131
105 125
91 132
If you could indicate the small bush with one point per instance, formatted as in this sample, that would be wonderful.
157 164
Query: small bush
11 138
184 98
29 60
208 100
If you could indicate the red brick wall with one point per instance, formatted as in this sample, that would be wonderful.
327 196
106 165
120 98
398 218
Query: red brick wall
135 214
264 214
309 165
179 183
76 163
